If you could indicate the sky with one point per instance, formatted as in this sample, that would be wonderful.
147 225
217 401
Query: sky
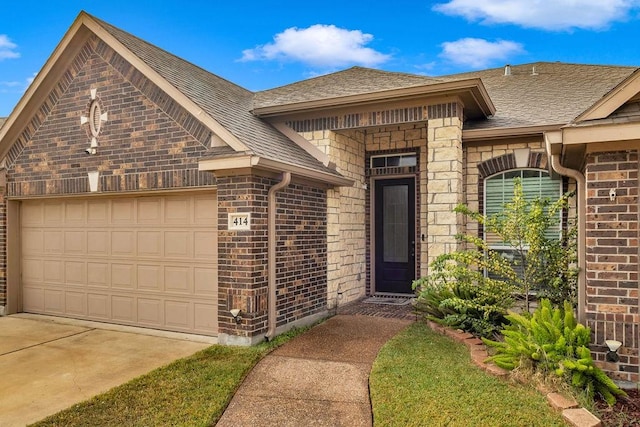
262 45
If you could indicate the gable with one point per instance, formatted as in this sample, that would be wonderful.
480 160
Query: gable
625 92
148 140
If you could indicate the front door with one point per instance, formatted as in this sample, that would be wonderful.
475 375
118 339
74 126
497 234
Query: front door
394 235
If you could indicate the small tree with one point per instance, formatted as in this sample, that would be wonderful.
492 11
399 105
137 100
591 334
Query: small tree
542 262
472 288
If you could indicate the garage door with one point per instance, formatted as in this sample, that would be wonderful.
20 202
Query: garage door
143 261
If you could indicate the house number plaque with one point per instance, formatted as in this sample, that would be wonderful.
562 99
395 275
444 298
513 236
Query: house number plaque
240 221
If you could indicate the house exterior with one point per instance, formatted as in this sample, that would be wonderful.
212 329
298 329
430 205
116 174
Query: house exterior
139 189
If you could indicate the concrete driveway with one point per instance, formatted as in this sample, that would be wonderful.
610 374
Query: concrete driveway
47 366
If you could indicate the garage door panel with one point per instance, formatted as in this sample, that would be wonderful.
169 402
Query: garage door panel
74 213
32 214
53 241
123 243
97 212
53 271
178 279
148 261
32 242
54 301
177 314
150 277
74 242
53 212
150 210
205 281
98 242
122 212
75 303
205 211
150 312
122 276
33 299
149 243
123 308
177 211
177 244
98 274
205 245
98 306
32 270
75 273
204 317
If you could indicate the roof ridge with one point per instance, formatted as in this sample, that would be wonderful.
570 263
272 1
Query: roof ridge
109 26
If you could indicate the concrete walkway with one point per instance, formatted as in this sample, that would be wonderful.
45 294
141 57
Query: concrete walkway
320 378
48 366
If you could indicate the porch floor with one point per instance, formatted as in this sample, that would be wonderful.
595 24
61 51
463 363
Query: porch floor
406 311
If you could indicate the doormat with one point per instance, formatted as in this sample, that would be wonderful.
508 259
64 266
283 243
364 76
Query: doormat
388 300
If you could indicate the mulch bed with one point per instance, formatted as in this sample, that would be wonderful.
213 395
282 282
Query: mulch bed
625 413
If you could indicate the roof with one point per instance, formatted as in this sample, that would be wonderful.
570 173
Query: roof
352 81
544 93
556 93
226 102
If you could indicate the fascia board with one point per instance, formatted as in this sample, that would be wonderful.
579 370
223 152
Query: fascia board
470 135
616 98
473 86
244 162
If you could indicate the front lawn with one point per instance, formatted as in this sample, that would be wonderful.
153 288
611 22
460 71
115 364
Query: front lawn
421 378
193 391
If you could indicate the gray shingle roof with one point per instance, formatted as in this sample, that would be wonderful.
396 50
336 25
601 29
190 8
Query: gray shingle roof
352 81
556 94
229 104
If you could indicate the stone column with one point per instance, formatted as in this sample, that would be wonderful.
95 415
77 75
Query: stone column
444 178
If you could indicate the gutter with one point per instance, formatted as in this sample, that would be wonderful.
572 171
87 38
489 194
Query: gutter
581 211
271 254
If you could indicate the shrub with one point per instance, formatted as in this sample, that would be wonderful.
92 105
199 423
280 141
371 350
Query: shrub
554 343
456 296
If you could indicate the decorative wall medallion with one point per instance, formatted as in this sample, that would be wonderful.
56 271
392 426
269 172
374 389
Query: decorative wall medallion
95 119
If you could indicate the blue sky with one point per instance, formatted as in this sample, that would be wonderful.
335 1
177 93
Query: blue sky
261 45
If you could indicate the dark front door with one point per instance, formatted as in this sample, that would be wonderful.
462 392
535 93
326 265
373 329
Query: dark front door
395 235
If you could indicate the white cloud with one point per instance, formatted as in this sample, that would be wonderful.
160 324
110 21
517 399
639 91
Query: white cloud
319 45
7 48
479 53
555 15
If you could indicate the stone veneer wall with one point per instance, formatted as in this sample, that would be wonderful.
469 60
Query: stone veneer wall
612 259
301 254
345 215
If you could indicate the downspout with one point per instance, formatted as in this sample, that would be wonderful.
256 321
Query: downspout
271 254
581 210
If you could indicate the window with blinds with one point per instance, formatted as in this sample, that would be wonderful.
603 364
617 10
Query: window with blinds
498 190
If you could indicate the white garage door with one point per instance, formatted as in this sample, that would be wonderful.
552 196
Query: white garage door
143 261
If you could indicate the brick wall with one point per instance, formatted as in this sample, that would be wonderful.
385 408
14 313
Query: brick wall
148 142
301 249
612 258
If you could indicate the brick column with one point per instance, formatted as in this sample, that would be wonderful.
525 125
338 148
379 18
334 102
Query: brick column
444 178
612 259
242 255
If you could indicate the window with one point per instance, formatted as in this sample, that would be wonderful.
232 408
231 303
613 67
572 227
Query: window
498 190
395 160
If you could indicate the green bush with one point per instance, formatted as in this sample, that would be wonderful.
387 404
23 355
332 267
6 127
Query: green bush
554 343
461 298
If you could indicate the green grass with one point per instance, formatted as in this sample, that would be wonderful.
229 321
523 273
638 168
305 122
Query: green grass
421 378
193 391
